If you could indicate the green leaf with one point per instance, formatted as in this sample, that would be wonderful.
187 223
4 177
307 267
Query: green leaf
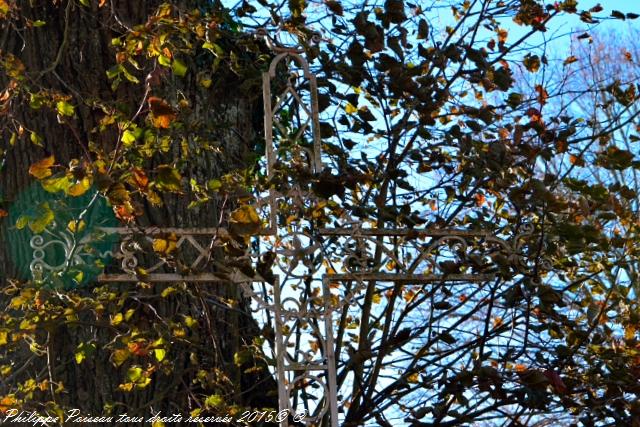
117 319
53 185
45 217
36 139
36 101
168 179
114 71
164 61
214 184
159 353
134 374
65 109
214 401
22 222
179 68
128 138
83 351
39 23
241 357
167 291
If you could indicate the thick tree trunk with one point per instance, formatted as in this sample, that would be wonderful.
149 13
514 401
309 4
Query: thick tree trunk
77 66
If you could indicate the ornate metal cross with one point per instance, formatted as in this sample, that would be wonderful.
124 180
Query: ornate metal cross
305 297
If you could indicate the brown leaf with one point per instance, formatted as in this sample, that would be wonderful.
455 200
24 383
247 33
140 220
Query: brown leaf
334 6
542 94
576 160
162 113
42 169
140 178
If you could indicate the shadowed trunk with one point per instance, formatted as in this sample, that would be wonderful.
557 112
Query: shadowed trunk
70 54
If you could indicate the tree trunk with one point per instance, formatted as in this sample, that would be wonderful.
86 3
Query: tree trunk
70 54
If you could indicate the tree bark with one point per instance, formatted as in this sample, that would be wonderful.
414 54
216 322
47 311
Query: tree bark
70 54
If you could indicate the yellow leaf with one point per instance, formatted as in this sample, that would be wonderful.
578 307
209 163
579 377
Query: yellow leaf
126 387
42 169
159 353
629 332
160 245
119 356
117 319
190 321
7 402
75 226
413 378
4 7
79 188
350 109
245 220
165 245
